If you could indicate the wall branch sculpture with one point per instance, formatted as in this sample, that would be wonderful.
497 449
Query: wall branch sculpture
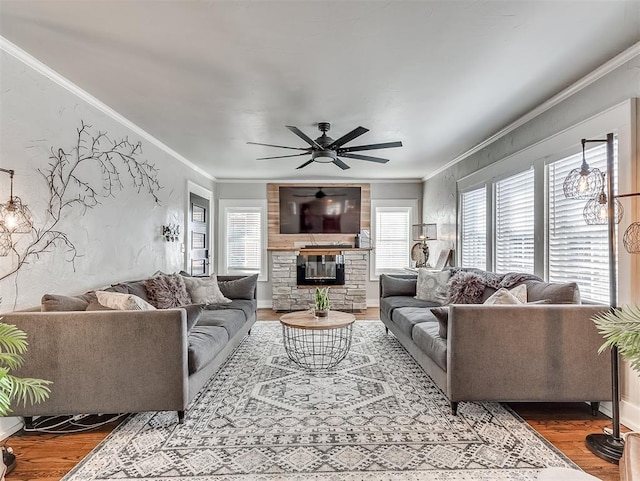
72 183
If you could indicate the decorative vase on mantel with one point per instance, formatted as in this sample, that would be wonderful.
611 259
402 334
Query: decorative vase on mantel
321 302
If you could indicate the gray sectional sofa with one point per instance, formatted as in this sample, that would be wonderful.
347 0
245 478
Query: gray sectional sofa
124 361
545 351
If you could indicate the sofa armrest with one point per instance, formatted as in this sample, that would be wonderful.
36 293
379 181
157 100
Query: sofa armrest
106 361
526 353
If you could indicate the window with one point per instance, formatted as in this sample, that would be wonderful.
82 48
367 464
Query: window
243 249
392 234
577 252
473 230
514 223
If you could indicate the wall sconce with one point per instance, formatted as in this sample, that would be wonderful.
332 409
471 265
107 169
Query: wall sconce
583 183
423 233
171 232
14 215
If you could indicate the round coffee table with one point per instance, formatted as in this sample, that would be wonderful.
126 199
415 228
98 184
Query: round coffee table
317 342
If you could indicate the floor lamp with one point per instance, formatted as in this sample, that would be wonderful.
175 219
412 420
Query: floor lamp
608 446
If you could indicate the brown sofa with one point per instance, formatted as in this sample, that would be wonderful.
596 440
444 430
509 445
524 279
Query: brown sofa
123 361
531 352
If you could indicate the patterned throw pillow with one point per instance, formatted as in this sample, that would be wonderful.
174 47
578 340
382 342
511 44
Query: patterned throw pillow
205 290
123 302
167 291
432 285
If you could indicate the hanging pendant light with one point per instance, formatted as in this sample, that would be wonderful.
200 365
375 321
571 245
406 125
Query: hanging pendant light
596 211
14 215
631 238
5 242
583 183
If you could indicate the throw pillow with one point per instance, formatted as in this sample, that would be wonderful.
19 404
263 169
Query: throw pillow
502 296
397 286
432 285
205 290
54 303
442 315
465 288
193 314
167 291
243 288
520 292
123 302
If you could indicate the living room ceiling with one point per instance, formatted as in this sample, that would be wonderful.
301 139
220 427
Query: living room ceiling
205 77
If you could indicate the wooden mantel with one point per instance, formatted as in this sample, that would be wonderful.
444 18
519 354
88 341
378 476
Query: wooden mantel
281 242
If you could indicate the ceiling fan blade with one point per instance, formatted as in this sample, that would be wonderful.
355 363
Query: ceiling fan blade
366 157
303 136
357 132
305 164
282 156
384 145
279 146
341 164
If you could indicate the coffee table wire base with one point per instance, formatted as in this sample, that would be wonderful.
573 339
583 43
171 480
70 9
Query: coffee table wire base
317 348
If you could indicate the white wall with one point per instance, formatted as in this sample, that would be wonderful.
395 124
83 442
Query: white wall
119 239
614 88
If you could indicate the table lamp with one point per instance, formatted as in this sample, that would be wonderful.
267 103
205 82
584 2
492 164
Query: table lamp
424 233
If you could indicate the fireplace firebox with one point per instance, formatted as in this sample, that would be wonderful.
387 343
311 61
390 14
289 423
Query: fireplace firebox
320 270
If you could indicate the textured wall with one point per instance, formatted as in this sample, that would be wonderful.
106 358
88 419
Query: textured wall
118 239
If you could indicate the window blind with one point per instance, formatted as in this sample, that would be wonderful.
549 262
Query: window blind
473 235
577 252
243 240
514 227
392 238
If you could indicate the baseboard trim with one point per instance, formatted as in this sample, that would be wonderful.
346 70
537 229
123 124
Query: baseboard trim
9 426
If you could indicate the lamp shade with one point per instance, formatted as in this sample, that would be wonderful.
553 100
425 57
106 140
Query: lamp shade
422 232
631 238
596 210
5 242
16 217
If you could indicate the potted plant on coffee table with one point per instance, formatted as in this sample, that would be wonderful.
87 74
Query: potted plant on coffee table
321 304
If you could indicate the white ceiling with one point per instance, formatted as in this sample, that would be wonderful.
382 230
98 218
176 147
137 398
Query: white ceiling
204 77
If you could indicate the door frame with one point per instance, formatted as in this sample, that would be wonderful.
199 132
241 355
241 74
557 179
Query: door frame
193 188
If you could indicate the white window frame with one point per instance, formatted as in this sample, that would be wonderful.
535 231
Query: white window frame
411 205
486 191
251 205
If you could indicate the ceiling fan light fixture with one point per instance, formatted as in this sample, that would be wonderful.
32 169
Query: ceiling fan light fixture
324 156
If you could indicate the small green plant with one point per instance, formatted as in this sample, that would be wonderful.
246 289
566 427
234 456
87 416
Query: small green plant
322 299
621 327
13 344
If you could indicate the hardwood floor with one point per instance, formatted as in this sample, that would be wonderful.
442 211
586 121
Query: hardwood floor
48 457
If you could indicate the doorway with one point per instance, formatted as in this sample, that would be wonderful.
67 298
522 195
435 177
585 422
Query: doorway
199 233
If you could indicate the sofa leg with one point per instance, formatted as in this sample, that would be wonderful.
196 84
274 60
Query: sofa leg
180 417
386 330
454 408
28 422
249 333
595 408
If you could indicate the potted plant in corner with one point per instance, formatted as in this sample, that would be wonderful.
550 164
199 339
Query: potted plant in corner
321 302
621 328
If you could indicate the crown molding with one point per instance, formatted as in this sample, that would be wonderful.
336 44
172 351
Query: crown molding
65 83
574 88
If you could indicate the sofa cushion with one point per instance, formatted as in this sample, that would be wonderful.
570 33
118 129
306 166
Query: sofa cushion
389 304
167 291
568 293
426 337
137 288
517 295
465 288
205 343
432 285
193 312
205 290
54 302
243 288
231 320
123 302
407 317
397 286
442 315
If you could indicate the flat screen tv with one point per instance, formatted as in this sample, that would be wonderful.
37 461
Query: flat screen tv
319 210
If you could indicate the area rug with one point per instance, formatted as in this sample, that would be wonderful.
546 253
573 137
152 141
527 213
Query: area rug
377 416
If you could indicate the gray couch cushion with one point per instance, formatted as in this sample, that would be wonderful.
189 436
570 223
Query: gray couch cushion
568 293
205 343
425 335
231 319
407 317
388 304
243 288
397 286
137 288
54 302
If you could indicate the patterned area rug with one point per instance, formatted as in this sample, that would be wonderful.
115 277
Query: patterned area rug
377 416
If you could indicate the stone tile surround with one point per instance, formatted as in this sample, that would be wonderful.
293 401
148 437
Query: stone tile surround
288 296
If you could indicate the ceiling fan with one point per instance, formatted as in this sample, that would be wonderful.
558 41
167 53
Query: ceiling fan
326 150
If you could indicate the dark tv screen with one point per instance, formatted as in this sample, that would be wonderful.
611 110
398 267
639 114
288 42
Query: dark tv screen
319 210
